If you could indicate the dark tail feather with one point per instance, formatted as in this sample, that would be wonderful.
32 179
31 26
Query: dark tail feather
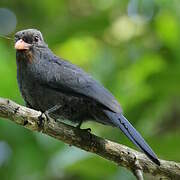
120 121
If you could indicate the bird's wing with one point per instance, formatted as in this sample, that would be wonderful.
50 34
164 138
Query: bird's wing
68 78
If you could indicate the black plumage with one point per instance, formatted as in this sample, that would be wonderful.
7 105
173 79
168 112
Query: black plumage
46 80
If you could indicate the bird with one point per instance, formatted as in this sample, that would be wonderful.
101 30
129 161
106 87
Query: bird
54 85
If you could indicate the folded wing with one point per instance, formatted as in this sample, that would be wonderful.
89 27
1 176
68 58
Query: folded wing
72 79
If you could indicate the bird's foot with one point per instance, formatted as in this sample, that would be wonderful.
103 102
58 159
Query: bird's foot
48 117
46 113
41 120
51 110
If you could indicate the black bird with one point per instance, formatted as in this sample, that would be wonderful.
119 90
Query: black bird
51 84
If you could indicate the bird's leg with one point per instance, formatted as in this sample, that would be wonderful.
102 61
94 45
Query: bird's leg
46 113
51 110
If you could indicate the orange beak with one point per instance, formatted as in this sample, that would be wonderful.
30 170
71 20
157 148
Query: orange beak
21 45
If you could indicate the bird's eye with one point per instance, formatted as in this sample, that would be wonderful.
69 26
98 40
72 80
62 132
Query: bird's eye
36 38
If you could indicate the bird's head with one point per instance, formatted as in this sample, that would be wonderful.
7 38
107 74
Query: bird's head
28 39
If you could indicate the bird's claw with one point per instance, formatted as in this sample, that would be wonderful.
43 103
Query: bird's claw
40 122
47 116
41 119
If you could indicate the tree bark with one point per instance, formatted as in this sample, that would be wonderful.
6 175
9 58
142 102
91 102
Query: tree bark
122 155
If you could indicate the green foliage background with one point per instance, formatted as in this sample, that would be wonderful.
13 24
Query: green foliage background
132 47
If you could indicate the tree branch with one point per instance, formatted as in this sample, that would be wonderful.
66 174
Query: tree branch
121 155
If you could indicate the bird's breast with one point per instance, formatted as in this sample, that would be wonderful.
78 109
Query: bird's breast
42 98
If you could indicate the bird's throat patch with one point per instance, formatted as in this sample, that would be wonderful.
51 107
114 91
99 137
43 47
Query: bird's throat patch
25 55
29 56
